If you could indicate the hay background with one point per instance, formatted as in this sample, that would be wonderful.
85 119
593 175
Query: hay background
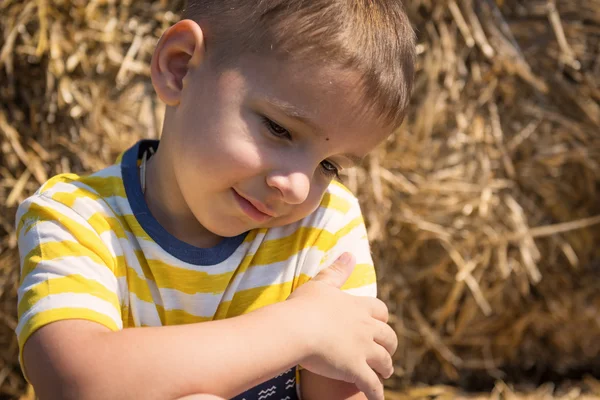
483 210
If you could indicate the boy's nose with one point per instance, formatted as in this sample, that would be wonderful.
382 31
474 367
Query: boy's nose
294 186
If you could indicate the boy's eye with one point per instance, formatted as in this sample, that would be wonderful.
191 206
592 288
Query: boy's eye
329 169
276 130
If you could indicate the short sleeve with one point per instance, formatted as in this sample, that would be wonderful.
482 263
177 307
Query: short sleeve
66 270
342 230
352 237
346 233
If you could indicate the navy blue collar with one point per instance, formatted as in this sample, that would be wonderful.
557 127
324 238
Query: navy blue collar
177 248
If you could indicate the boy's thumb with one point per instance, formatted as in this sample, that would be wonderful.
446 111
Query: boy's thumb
338 273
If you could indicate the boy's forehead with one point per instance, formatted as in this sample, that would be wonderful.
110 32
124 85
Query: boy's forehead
306 90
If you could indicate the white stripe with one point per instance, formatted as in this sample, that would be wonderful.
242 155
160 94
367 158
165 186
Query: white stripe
64 266
61 187
280 272
317 220
364 291
43 232
23 208
108 172
71 300
119 204
232 288
143 313
87 206
340 192
46 232
199 304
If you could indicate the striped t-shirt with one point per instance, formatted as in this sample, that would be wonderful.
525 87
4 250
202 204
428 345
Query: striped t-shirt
90 249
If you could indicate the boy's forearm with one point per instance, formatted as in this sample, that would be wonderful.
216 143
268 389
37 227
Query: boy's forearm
222 357
316 387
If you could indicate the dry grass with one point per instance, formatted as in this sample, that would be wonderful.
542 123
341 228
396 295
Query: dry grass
484 209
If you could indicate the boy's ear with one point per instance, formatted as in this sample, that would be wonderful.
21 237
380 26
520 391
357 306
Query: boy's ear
180 49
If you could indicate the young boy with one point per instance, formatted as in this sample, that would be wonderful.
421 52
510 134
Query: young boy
223 243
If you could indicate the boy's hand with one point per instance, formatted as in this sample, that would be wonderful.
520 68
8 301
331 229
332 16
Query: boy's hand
348 335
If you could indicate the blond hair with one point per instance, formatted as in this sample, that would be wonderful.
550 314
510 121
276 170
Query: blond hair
372 37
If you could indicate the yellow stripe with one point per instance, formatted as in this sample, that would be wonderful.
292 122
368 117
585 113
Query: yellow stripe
334 202
136 228
105 186
249 300
187 281
358 221
278 250
69 198
66 284
253 233
62 178
126 317
99 221
166 276
179 317
139 285
363 275
301 280
103 223
53 250
85 236
222 311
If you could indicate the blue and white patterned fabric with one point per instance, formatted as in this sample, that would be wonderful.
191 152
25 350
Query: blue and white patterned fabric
282 387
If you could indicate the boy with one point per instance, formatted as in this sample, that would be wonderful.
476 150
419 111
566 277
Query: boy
215 243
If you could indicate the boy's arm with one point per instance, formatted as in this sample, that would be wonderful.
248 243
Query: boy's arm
75 359
316 387
351 237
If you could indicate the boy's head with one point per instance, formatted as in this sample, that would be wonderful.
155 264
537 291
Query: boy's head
268 99
373 38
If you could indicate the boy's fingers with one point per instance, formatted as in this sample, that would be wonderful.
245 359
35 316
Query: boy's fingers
386 336
378 309
369 383
381 362
339 272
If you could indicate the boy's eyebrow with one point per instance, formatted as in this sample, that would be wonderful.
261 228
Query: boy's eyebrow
292 111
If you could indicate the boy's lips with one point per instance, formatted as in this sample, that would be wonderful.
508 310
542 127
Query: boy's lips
253 208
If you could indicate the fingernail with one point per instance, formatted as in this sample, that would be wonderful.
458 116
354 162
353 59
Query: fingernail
345 258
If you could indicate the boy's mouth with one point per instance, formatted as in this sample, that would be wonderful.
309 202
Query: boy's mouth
252 208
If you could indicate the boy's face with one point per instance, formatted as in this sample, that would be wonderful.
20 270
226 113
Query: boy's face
257 144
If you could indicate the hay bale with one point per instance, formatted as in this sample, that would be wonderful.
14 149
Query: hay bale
483 209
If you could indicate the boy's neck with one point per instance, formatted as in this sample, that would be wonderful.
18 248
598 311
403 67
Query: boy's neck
166 204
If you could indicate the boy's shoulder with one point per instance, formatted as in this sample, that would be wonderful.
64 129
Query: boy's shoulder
339 207
339 199
101 184
71 193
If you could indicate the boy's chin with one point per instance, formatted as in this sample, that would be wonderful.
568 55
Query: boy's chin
229 231
233 229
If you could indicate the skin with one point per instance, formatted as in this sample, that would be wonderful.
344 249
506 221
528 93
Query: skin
232 137
217 138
